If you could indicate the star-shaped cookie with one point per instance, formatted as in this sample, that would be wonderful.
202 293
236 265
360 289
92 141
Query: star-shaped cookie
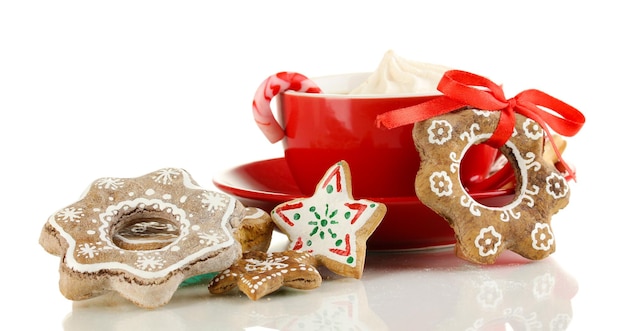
258 274
331 225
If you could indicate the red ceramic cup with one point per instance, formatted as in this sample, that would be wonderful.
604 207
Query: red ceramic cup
321 129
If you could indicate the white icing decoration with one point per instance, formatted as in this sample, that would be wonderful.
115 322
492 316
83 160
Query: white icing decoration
542 237
70 214
532 130
526 193
537 186
471 204
210 237
321 239
439 132
109 183
139 204
188 182
484 113
148 263
484 242
166 176
214 201
556 186
270 268
271 263
88 250
440 183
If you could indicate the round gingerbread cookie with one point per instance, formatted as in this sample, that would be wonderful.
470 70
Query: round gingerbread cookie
484 232
141 237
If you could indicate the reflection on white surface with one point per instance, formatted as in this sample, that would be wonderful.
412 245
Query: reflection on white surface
437 291
339 305
428 290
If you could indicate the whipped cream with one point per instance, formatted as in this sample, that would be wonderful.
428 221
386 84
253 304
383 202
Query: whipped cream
396 75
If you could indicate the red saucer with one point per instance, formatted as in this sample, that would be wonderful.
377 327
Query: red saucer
408 224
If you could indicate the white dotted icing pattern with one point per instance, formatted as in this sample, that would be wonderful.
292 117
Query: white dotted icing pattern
88 229
439 132
326 223
252 273
488 241
444 181
111 215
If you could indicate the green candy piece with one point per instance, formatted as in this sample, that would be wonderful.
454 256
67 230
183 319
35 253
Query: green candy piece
199 279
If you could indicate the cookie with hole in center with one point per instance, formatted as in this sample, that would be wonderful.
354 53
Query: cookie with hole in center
484 232
142 237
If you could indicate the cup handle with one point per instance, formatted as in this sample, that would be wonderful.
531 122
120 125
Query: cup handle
272 86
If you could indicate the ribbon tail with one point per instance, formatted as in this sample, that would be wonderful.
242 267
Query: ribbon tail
569 121
534 113
569 173
410 115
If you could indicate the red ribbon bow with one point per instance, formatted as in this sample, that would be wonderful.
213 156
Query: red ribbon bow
463 89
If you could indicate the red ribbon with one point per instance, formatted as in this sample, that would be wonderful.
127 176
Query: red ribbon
463 89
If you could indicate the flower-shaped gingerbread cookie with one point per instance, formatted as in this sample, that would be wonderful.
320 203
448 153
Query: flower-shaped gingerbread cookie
483 232
331 224
258 274
142 236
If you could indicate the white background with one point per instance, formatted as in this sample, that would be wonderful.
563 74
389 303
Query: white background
121 88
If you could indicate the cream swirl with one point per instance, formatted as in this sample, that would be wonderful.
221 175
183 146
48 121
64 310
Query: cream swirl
396 75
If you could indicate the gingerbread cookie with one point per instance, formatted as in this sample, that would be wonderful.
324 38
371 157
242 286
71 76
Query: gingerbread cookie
483 232
255 231
142 236
331 224
258 274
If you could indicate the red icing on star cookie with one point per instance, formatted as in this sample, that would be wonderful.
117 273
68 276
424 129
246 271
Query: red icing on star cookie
343 252
331 225
280 211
